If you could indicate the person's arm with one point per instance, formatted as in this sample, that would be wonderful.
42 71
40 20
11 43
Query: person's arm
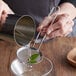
63 23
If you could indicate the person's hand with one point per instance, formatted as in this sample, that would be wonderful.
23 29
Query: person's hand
62 26
4 11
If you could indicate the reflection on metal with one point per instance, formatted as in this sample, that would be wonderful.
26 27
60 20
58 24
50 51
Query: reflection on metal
24 30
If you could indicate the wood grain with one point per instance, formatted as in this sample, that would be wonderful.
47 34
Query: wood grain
55 49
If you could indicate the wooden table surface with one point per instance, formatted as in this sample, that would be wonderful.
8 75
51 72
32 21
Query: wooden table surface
55 49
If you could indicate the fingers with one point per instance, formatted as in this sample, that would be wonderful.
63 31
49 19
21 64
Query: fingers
45 23
62 31
61 21
62 26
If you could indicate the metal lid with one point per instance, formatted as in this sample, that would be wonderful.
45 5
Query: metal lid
24 30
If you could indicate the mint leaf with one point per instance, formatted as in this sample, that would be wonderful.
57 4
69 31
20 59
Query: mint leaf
31 61
33 58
